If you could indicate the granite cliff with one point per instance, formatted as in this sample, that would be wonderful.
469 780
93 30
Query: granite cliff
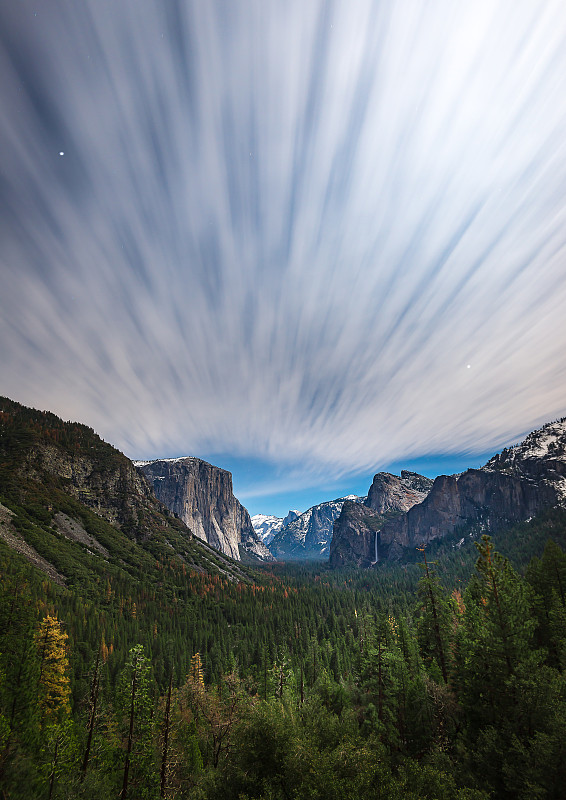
355 536
75 506
392 493
201 495
513 486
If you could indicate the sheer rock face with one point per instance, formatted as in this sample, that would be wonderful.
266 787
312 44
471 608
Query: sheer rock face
492 499
355 539
391 493
201 495
513 486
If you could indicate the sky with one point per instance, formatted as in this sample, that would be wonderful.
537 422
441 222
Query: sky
304 241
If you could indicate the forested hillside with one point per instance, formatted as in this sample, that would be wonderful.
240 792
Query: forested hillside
444 682
78 507
137 663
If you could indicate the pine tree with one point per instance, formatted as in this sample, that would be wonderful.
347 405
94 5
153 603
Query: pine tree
547 576
507 624
435 620
136 702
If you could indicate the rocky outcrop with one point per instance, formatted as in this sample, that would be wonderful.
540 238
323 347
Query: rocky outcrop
201 495
308 536
104 481
60 481
355 539
392 493
513 486
491 499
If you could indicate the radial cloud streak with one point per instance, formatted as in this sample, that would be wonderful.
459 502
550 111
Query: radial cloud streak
325 234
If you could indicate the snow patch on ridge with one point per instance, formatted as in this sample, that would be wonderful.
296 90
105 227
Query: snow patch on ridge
267 526
168 460
549 442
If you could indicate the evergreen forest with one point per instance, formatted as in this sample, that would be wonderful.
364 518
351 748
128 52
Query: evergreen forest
442 678
137 663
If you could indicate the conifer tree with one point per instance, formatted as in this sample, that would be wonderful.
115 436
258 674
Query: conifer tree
507 623
435 620
547 576
135 698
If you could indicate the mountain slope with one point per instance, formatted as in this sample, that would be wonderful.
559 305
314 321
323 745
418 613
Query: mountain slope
77 508
267 526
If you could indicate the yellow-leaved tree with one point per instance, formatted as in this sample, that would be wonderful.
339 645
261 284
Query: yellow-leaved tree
53 682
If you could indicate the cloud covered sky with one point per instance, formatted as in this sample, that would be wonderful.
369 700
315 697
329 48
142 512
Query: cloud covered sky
318 238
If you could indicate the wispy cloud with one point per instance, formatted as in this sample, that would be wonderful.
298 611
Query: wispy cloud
328 234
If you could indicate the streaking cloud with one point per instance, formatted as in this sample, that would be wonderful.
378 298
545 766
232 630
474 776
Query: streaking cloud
330 235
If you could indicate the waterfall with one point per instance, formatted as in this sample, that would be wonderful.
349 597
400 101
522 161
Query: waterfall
376 555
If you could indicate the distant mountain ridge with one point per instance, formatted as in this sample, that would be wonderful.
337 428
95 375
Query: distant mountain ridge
68 489
308 536
266 526
513 486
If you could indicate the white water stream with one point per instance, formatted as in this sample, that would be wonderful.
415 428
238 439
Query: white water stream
376 555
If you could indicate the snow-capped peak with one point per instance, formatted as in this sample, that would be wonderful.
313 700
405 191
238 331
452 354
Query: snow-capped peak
544 443
266 526
169 460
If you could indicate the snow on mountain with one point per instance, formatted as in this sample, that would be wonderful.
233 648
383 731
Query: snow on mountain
168 460
267 526
540 457
548 442
309 535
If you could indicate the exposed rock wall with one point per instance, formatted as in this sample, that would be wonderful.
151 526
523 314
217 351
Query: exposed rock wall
50 468
392 493
355 539
513 486
493 499
108 485
201 495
